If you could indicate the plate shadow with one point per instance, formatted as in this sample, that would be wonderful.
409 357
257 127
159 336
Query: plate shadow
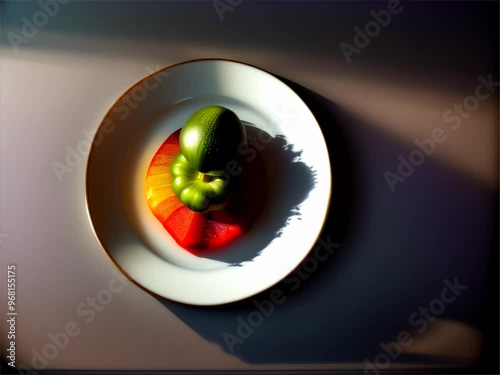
396 250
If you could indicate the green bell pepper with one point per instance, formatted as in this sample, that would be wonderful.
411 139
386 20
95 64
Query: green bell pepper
208 141
200 192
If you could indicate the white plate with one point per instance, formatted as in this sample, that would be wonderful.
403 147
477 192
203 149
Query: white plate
157 106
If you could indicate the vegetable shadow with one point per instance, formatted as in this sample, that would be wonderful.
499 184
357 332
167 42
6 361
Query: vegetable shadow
280 182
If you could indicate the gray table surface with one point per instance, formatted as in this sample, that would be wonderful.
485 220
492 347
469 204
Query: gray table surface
397 247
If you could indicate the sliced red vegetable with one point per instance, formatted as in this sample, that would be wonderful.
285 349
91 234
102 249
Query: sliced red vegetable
214 229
